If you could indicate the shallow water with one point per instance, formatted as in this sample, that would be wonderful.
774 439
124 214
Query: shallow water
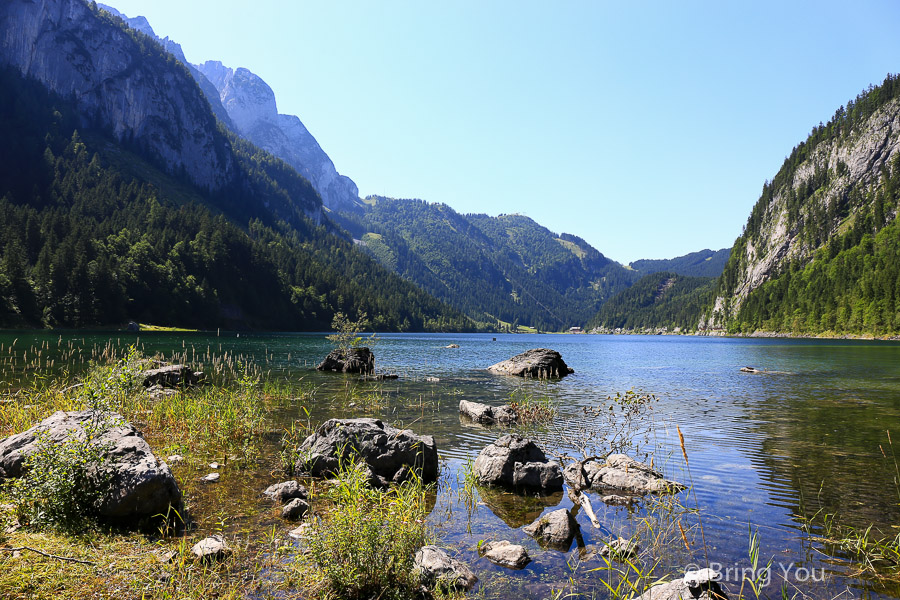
763 448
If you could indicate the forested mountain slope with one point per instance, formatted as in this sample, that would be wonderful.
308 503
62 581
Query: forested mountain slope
704 263
146 208
660 300
820 252
505 268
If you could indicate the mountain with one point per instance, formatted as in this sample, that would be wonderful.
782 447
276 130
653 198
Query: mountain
667 300
246 105
121 197
820 252
704 263
250 104
209 90
507 268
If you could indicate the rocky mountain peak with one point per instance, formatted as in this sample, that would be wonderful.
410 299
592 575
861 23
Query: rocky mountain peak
252 107
69 46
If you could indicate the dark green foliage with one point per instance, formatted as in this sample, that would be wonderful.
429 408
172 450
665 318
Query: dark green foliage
704 263
858 210
658 300
505 268
852 285
92 233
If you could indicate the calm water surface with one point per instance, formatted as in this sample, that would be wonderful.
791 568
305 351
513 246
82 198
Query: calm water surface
764 449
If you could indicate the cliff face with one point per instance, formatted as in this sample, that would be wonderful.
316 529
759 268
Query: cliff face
821 191
250 104
82 54
141 24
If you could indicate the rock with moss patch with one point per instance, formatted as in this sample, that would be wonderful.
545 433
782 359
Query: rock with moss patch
505 554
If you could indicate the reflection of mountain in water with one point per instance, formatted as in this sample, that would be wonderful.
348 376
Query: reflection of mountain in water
826 449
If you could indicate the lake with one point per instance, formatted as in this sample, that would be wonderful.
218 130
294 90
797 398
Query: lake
766 451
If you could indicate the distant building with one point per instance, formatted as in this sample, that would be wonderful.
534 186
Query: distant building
575 330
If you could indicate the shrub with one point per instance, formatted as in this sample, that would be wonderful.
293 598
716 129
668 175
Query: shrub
364 547
64 483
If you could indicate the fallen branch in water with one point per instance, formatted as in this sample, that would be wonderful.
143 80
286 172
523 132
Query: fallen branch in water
53 556
586 504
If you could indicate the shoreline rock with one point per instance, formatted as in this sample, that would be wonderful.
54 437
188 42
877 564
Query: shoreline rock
541 363
358 361
388 452
140 485
555 530
518 463
486 414
437 569
620 474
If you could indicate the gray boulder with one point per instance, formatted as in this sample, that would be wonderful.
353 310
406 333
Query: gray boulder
171 376
437 570
487 415
619 473
505 554
539 362
352 360
518 463
702 584
389 453
140 485
295 509
211 549
286 491
555 530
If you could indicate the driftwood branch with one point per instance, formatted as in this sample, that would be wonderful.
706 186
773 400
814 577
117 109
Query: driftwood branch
48 555
586 504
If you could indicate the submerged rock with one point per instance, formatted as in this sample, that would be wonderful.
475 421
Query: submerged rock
619 473
351 360
139 486
487 415
505 554
518 463
620 549
388 452
555 530
437 570
539 362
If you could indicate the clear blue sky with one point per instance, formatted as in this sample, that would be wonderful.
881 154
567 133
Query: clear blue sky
647 128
